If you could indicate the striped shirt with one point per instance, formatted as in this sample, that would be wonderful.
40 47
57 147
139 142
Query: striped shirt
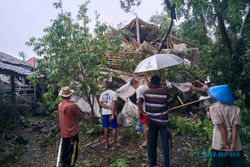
156 104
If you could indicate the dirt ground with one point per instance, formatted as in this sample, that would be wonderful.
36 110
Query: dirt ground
36 149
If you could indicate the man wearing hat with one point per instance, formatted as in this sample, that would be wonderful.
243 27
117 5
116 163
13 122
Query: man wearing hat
69 115
226 145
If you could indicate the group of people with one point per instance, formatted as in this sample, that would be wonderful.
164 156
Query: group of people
153 102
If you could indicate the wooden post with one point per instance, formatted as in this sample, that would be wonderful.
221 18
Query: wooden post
34 99
137 30
13 96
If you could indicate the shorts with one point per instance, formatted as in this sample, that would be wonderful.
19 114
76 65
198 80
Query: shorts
139 127
106 123
143 119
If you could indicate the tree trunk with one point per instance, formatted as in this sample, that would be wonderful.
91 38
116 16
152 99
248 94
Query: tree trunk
222 28
224 35
240 48
90 100
171 8
164 39
204 27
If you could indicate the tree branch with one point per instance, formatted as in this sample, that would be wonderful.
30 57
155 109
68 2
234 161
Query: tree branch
173 16
165 36
245 20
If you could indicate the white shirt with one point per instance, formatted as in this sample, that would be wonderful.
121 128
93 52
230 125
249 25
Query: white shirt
140 92
107 97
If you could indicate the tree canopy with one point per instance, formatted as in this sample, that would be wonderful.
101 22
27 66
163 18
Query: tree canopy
72 55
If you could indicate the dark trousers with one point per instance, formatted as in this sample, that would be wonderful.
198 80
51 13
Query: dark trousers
69 151
230 159
153 129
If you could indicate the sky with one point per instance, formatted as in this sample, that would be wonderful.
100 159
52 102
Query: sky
23 19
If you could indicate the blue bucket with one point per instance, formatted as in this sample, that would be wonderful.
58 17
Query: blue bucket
222 93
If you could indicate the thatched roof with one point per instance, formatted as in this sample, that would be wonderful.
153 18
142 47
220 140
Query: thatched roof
10 65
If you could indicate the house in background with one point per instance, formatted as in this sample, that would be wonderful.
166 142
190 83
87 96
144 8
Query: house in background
11 66
13 73
32 61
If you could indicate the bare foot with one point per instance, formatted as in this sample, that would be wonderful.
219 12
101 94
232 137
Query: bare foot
115 146
144 145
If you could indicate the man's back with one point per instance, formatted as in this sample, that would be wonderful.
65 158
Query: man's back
107 97
68 118
156 102
229 115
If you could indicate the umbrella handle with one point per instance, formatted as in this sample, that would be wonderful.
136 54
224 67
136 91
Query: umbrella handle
146 77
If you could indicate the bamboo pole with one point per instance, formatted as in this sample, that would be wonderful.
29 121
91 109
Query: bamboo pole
183 105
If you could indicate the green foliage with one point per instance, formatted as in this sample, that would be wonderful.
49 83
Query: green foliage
95 129
161 20
58 4
194 32
72 55
128 134
201 28
51 100
245 111
127 64
246 59
47 141
127 5
118 162
89 128
183 126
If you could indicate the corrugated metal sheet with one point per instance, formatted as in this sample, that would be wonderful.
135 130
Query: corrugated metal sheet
14 61
15 69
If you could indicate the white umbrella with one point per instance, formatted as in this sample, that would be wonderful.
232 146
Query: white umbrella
157 62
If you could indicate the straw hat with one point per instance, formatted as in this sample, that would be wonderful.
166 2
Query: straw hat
66 91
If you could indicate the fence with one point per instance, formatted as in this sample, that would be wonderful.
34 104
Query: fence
23 95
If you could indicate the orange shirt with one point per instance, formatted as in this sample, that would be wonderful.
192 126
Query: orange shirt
68 118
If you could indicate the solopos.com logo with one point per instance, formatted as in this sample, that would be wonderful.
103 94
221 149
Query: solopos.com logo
220 154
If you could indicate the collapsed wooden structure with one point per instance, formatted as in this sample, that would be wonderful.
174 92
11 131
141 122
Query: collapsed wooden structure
140 40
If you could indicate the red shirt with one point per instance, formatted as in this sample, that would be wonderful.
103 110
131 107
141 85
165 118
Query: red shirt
68 118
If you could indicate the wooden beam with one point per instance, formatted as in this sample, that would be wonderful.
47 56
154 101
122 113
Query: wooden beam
138 30
13 94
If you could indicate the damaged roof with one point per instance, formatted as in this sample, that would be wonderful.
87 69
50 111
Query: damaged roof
13 66
149 33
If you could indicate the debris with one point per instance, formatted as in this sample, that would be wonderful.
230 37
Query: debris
94 143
